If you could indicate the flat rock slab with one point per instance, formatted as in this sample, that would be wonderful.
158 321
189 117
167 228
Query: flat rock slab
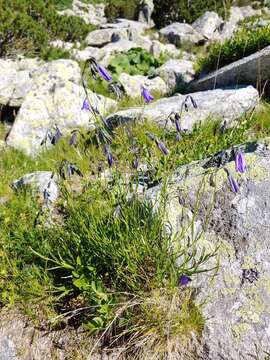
251 70
226 105
235 298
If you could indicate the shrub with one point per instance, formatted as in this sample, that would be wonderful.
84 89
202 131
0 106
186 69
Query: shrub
188 11
245 42
27 26
121 8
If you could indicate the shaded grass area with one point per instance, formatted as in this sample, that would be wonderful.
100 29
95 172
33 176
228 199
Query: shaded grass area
109 266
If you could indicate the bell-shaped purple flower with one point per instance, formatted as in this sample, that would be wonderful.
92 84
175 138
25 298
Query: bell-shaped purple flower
240 163
135 163
110 159
74 139
104 73
177 125
233 183
56 137
109 155
146 95
162 147
184 280
86 105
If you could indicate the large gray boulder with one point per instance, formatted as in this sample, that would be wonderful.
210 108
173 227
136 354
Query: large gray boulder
176 73
180 34
16 80
208 24
55 99
251 70
235 297
226 105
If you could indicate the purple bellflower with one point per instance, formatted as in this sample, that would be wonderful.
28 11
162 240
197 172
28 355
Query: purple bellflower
184 280
74 139
233 183
86 105
109 155
104 73
162 147
135 163
159 143
146 95
240 163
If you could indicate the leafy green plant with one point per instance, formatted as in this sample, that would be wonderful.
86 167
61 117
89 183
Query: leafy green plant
135 62
245 42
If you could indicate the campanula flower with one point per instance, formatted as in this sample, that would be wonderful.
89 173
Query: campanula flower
162 147
240 163
109 155
233 183
104 73
146 95
74 139
184 280
56 137
86 105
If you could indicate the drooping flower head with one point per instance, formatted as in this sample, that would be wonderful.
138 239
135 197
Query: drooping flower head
109 155
86 105
233 183
73 139
240 163
184 280
145 93
56 137
159 143
135 163
177 123
162 147
104 73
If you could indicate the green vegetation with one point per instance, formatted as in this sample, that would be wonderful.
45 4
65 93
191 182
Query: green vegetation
246 41
136 61
188 11
28 26
107 263
121 8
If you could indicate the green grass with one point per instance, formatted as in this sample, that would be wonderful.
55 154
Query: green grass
109 265
245 42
